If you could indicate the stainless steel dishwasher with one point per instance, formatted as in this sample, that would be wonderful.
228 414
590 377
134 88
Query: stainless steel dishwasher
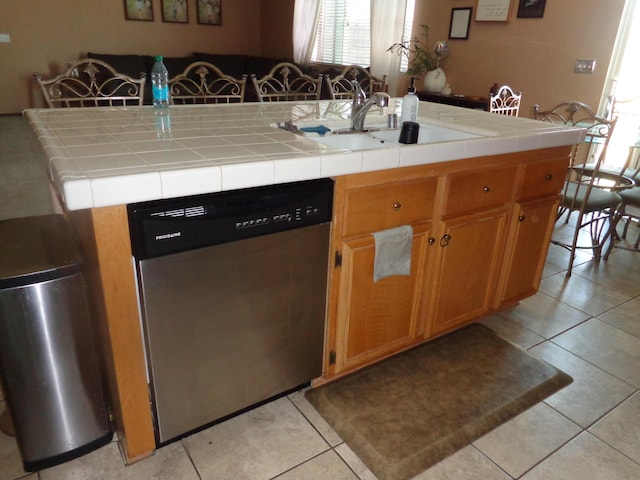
232 291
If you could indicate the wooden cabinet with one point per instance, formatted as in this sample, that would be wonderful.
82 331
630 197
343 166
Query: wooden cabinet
529 233
369 320
481 228
463 283
375 319
530 228
469 245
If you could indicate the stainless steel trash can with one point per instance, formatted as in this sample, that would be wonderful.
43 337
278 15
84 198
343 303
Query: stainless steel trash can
48 363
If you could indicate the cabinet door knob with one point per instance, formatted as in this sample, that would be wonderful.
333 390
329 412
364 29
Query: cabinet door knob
486 189
548 177
397 205
431 241
444 241
521 218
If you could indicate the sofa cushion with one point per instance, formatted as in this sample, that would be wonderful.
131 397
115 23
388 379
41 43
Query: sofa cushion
261 66
233 65
132 65
176 65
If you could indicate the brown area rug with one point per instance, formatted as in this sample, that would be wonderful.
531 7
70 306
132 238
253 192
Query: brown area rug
407 413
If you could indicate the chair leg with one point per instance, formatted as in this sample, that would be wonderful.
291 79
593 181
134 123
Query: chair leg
574 243
614 219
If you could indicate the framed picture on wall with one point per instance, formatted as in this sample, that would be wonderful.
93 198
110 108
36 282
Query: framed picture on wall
138 10
531 8
210 12
493 10
460 20
175 11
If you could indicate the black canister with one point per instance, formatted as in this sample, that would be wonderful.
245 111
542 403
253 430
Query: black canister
409 132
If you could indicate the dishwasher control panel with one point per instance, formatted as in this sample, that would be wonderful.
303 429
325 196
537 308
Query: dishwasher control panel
162 227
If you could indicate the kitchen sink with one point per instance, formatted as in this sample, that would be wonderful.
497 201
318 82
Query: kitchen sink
377 137
428 134
354 141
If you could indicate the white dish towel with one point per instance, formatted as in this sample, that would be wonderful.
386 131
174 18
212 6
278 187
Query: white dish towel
393 252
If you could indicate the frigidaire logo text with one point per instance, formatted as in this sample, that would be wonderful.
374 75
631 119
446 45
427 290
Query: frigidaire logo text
168 235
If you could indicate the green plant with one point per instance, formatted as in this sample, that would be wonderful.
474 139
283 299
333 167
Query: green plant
422 58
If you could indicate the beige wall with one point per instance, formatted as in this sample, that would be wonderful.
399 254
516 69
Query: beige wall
536 56
45 35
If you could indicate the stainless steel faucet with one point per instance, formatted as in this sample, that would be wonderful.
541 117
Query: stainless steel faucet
362 105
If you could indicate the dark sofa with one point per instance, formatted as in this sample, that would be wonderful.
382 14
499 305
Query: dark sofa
231 64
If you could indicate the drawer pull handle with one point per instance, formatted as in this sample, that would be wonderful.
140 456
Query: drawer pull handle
486 189
431 241
548 177
522 218
397 205
444 241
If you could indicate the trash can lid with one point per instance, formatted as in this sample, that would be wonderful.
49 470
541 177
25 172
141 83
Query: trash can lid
36 249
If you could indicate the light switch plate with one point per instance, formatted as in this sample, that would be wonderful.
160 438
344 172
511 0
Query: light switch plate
585 66
5 38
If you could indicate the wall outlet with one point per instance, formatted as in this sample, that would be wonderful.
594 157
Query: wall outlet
585 66
5 38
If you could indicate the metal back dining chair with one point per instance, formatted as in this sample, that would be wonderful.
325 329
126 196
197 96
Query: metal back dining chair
591 188
285 82
505 101
203 82
91 83
341 86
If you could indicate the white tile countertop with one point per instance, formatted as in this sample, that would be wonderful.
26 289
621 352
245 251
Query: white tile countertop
109 156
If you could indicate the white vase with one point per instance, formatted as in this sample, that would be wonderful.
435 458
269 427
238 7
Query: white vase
435 80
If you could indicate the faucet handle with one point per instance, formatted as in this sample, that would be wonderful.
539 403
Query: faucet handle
358 93
382 99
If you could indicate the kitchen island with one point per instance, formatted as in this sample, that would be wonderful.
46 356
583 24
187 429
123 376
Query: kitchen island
102 159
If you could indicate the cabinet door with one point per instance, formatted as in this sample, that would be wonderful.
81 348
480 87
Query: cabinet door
469 251
375 319
530 230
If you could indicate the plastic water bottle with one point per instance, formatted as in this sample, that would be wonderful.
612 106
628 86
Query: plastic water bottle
410 103
160 84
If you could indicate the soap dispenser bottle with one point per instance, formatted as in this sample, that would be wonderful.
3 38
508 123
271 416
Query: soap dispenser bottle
409 104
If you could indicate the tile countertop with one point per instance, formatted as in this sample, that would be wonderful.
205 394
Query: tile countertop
109 156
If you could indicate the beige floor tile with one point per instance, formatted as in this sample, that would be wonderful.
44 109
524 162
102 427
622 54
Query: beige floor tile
585 458
168 463
323 467
312 415
551 269
466 464
559 257
607 347
511 331
581 293
592 393
357 465
519 444
621 428
626 258
259 444
612 276
10 461
545 315
626 316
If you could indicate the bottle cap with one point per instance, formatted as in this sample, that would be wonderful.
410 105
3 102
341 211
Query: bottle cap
158 58
412 87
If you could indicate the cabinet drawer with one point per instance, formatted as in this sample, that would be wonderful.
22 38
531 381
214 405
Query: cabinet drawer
480 189
545 178
379 207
